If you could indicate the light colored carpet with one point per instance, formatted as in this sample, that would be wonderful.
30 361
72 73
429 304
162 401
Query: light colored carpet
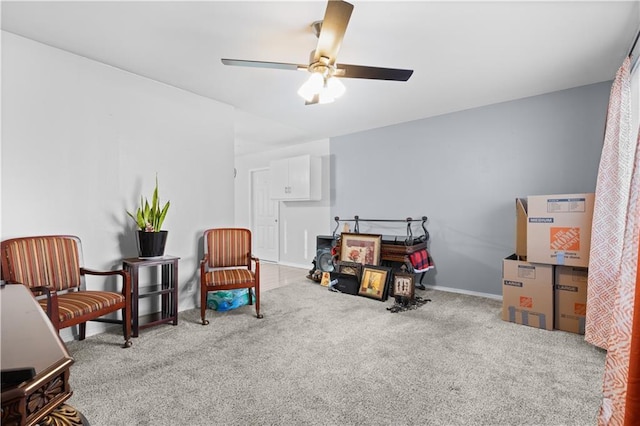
323 358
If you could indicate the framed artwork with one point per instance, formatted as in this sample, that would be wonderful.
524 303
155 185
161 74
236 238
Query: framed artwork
351 268
360 248
326 278
374 282
404 285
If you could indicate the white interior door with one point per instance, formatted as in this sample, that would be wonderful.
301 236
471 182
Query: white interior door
264 217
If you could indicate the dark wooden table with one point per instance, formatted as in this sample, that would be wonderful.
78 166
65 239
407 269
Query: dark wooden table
29 340
166 289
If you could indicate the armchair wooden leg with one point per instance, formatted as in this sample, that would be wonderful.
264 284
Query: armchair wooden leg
203 305
82 330
258 314
126 326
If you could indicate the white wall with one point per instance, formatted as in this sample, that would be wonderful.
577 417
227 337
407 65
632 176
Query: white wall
300 221
81 141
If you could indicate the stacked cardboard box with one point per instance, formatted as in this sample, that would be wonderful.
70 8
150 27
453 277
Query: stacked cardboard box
527 293
559 229
544 284
570 298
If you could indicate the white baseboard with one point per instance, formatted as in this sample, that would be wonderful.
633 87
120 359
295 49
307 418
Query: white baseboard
462 291
296 265
433 287
70 333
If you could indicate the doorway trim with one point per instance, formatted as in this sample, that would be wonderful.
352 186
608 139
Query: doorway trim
254 213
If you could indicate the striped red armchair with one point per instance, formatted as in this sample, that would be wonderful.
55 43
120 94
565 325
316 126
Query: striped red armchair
52 267
227 265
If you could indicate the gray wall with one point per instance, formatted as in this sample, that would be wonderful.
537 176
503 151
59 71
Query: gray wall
464 170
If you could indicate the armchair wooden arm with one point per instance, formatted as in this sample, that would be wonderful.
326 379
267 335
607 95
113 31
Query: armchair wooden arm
257 265
126 278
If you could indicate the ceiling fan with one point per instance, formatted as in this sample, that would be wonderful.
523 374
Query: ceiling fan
323 85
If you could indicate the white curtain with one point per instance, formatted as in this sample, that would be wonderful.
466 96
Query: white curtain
614 248
610 211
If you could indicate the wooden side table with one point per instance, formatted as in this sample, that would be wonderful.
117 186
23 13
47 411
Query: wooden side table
167 289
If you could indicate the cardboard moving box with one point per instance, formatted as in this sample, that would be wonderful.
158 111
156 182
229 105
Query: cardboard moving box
570 298
527 293
559 229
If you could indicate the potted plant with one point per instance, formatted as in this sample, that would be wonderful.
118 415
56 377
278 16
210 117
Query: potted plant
149 219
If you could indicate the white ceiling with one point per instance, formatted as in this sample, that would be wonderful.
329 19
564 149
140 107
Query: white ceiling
465 54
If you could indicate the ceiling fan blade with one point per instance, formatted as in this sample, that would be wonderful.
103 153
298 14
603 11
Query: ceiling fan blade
334 25
263 64
372 73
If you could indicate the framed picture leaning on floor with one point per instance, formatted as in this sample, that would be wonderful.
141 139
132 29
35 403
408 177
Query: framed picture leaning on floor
404 285
375 282
351 268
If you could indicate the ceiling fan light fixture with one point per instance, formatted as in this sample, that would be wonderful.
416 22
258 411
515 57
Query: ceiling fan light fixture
305 93
324 97
312 86
335 87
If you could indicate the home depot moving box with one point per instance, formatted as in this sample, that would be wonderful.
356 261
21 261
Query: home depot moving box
570 298
559 229
527 293
521 228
